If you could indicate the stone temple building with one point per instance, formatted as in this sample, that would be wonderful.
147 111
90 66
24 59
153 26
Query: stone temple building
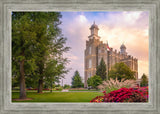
96 50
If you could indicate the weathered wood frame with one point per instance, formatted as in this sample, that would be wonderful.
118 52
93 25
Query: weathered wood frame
152 6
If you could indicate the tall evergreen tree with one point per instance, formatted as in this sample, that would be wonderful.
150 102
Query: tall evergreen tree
144 80
76 80
101 70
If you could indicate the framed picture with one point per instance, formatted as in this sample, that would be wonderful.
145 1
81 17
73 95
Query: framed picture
115 34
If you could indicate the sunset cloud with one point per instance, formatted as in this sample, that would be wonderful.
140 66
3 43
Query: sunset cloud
130 28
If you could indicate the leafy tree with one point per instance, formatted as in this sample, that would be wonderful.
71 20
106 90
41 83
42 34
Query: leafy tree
31 81
101 70
54 70
66 86
94 81
35 37
50 45
144 80
121 70
76 80
23 59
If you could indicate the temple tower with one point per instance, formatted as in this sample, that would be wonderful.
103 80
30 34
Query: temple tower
91 53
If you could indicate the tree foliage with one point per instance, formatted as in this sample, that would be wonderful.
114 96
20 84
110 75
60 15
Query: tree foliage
94 81
77 80
144 80
23 58
66 86
36 40
101 70
54 71
120 71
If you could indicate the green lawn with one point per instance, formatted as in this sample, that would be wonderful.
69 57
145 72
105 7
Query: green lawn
59 96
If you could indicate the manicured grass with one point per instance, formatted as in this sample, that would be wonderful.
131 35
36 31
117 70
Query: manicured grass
59 96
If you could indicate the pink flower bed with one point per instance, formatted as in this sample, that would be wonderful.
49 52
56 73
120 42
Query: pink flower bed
124 95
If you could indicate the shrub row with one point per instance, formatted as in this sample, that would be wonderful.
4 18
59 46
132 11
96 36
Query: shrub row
124 95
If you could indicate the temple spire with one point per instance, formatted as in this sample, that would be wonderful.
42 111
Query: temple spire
123 49
94 31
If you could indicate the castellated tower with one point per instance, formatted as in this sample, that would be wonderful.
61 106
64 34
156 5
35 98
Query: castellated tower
96 50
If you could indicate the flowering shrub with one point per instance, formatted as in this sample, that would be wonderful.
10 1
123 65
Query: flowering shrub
144 91
111 85
122 95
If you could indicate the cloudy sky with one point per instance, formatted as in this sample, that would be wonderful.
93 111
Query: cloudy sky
130 28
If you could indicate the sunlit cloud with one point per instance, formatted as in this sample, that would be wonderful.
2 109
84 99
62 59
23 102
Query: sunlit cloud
131 18
82 19
135 40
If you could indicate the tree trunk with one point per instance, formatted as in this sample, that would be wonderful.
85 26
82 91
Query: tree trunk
22 81
40 85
